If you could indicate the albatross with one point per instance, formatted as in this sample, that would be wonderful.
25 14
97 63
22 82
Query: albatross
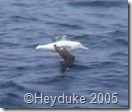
63 47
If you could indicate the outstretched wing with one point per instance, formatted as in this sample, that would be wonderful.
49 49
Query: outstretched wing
59 38
65 54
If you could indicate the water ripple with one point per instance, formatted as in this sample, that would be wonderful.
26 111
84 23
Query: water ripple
97 3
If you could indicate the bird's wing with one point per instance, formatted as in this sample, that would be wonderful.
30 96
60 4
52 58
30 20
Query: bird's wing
65 54
58 38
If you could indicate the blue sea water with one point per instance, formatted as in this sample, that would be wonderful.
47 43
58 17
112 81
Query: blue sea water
101 25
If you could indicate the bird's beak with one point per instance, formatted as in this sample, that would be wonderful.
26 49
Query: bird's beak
85 48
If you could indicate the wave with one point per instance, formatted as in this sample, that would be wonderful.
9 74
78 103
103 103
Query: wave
120 53
23 19
77 67
11 84
20 4
117 32
11 44
105 64
98 3
67 25
52 80
121 42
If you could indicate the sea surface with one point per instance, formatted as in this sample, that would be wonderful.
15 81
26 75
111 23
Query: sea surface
101 25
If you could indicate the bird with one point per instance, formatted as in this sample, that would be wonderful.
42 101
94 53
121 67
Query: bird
64 48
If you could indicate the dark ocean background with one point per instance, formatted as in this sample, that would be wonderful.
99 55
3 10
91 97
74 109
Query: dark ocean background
101 25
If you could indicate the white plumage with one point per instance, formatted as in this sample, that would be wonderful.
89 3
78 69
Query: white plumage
70 45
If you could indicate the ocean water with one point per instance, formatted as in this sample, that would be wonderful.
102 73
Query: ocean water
101 25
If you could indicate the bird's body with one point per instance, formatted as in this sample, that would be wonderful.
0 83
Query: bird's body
70 45
62 47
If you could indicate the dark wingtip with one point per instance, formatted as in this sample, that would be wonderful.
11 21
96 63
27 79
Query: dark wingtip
55 45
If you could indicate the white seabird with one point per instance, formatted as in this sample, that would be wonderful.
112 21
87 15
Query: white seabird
63 46
70 45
